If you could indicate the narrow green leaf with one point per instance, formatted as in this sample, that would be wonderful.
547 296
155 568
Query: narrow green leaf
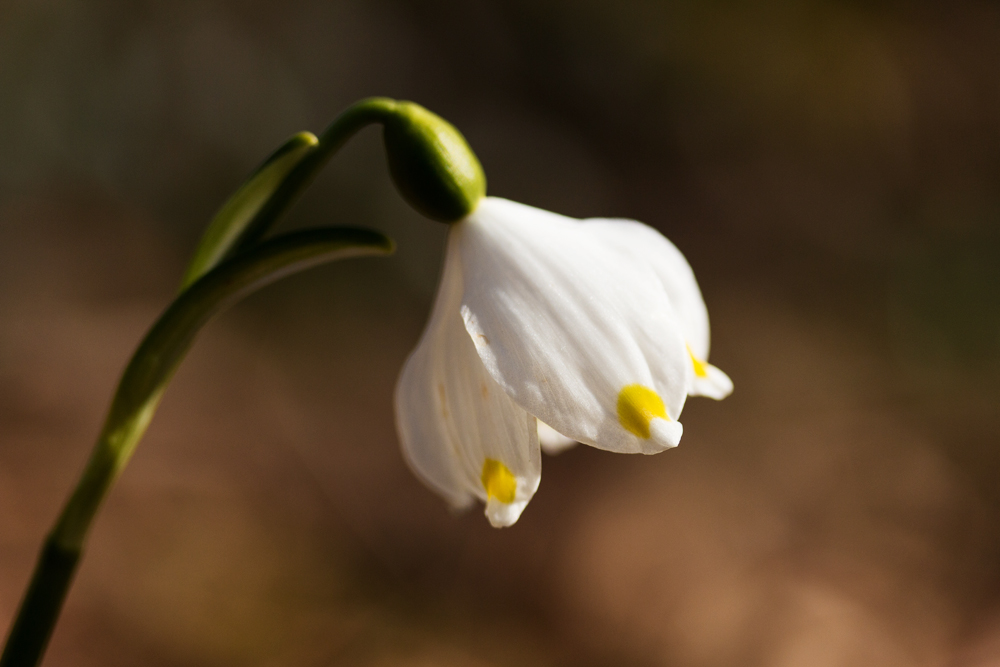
163 348
275 258
232 223
357 116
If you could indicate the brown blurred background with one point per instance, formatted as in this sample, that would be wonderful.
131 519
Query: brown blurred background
830 168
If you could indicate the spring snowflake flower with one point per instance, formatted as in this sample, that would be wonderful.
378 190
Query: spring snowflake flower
589 331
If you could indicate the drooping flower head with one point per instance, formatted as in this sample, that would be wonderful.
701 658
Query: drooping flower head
589 331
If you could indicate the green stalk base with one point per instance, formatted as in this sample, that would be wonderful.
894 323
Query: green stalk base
44 599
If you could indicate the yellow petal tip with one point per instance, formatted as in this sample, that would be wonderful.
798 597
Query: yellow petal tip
700 367
498 481
638 405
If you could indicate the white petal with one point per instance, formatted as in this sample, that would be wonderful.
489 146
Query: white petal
455 423
647 244
420 412
552 441
714 383
566 327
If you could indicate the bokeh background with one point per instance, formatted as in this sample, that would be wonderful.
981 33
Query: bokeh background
831 168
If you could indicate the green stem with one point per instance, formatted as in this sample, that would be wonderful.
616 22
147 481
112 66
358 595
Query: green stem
226 265
137 397
227 227
268 193
40 609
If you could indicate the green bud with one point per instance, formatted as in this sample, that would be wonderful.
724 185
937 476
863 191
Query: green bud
432 164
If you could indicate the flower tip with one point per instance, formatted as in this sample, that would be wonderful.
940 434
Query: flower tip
432 164
503 515
663 435
714 384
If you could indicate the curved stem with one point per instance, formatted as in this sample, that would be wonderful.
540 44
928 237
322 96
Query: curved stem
273 186
229 224
343 127
137 397
226 265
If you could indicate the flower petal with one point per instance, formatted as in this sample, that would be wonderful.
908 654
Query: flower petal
644 243
566 327
710 381
421 417
552 441
460 432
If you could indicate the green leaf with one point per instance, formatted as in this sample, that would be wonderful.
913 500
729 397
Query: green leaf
163 348
232 224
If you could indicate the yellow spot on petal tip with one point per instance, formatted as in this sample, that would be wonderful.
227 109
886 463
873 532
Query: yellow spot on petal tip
700 367
498 481
638 405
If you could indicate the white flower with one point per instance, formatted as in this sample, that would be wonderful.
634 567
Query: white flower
595 328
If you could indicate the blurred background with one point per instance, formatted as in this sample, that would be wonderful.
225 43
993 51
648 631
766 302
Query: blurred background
831 168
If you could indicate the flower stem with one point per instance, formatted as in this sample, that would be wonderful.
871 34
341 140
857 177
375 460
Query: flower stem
38 613
227 264
358 115
137 397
